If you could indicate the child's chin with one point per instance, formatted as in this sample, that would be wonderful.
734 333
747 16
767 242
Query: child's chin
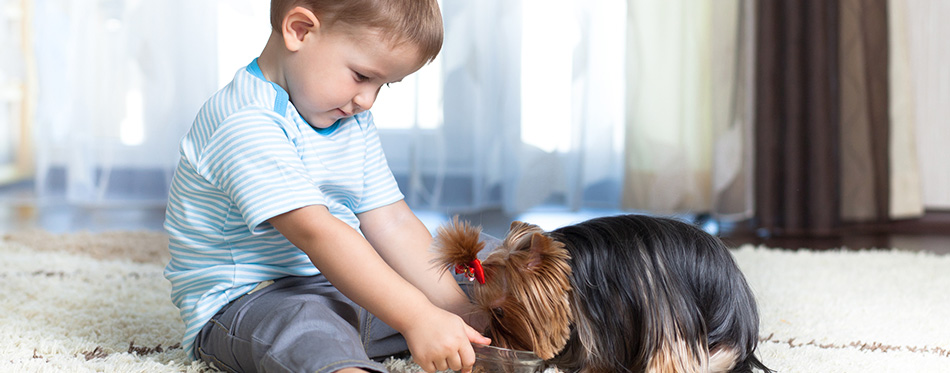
323 123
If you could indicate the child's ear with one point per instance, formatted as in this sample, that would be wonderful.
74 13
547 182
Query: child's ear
298 23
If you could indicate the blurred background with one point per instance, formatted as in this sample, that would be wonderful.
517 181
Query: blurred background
759 120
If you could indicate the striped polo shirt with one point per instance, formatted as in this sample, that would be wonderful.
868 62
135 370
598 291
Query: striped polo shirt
248 157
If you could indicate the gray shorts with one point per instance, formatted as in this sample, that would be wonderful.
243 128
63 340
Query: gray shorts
296 324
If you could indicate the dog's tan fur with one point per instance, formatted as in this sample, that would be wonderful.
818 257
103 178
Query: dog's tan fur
529 280
459 242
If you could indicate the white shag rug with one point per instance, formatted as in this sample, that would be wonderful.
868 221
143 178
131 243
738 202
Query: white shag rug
98 303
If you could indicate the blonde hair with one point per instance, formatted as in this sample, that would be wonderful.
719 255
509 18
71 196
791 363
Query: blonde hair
418 22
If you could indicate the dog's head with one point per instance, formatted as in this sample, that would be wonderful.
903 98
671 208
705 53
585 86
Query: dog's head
527 285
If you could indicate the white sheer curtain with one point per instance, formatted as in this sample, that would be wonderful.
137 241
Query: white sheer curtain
16 87
689 107
531 109
119 82
524 106
923 120
906 190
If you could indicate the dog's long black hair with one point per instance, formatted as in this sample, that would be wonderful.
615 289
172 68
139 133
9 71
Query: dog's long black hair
640 282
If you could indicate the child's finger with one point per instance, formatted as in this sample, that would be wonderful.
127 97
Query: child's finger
467 356
456 362
475 337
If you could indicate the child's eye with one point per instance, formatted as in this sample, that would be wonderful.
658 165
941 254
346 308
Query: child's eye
361 77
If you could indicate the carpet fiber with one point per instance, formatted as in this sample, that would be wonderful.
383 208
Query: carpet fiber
98 302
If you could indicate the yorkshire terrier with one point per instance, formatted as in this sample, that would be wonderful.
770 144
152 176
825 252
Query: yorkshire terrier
629 293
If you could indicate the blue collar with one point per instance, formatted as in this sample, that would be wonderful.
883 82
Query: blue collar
280 103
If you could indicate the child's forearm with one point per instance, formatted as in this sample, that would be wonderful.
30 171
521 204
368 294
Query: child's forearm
404 243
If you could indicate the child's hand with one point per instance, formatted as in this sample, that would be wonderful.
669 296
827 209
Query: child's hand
440 340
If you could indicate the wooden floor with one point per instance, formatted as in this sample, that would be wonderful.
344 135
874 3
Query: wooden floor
923 238
62 219
921 242
930 233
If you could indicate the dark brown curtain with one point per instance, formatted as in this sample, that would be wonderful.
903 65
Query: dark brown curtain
805 95
863 50
796 117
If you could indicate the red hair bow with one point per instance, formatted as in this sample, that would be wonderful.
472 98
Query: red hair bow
473 270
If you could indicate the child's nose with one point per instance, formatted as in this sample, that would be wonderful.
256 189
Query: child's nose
364 99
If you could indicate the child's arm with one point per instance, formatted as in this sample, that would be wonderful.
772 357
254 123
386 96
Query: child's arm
405 244
437 339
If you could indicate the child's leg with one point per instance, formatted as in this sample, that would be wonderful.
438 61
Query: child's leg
380 340
295 324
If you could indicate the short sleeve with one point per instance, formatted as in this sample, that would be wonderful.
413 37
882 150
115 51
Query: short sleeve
379 184
253 159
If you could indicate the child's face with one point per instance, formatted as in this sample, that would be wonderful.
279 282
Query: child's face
338 74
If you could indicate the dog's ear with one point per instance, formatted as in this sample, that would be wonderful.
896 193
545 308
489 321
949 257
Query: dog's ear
521 226
541 246
540 282
519 235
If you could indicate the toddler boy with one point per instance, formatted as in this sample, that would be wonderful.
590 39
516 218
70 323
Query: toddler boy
292 248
